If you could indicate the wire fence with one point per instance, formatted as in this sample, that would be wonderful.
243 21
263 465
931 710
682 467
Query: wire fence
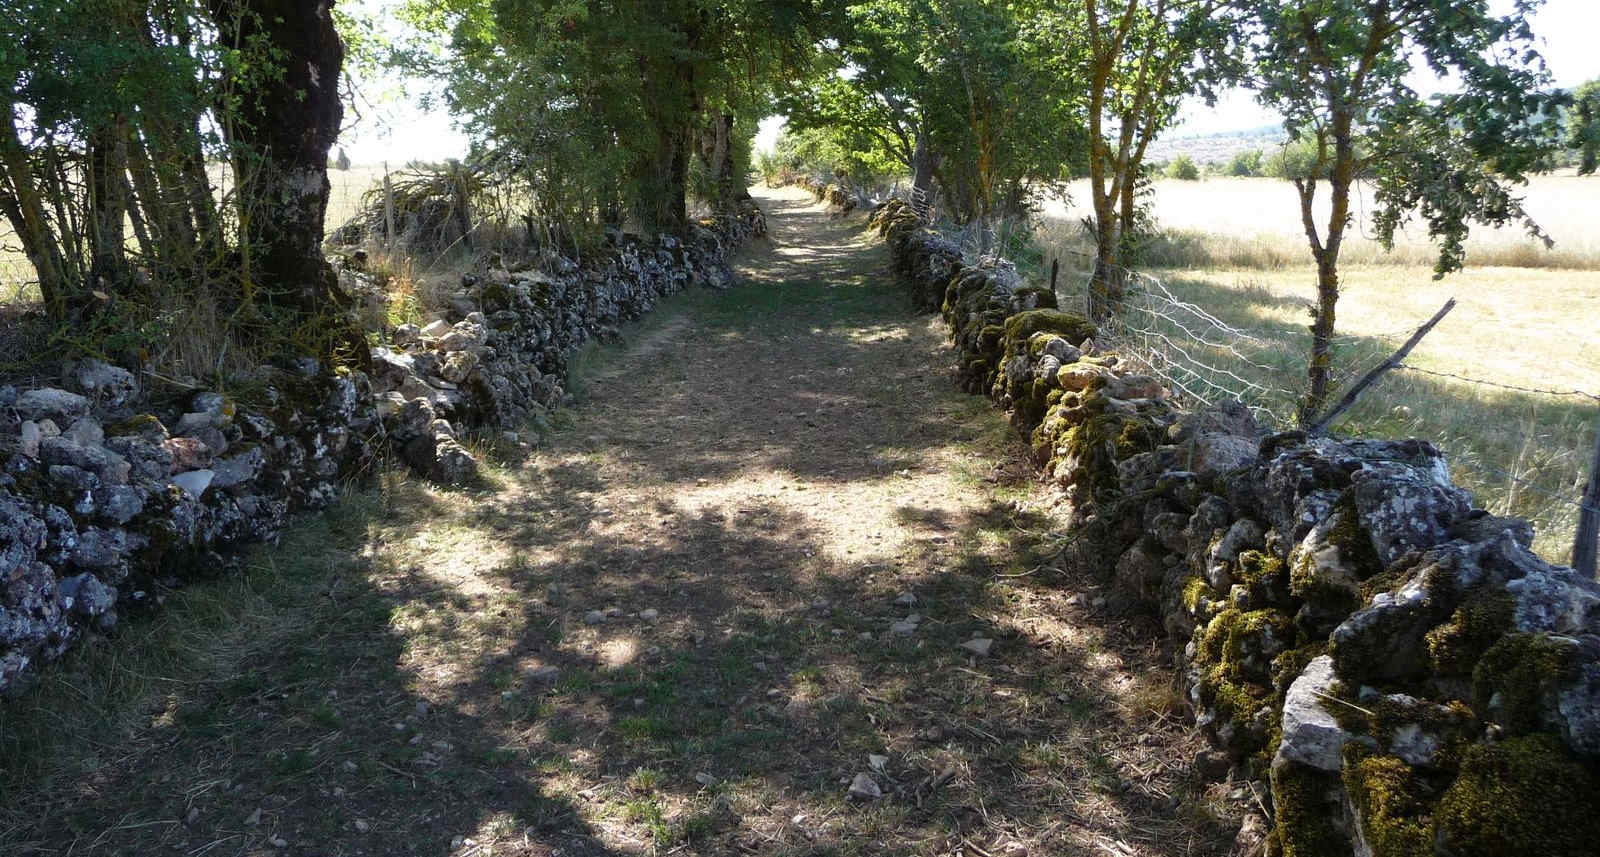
1522 449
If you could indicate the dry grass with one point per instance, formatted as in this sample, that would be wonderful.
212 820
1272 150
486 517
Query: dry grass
1231 223
1520 453
768 469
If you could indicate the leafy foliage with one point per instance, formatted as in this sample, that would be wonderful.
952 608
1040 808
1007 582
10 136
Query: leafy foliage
116 108
1140 59
1583 126
1338 69
1244 164
602 104
969 93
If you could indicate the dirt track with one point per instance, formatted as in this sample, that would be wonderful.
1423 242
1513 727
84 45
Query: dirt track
670 629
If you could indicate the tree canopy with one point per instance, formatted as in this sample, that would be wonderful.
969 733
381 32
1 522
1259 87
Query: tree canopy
1338 70
970 94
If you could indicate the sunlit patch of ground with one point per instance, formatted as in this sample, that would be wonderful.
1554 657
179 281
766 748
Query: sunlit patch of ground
668 630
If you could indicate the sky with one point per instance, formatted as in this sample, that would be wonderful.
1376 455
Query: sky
400 132
1567 30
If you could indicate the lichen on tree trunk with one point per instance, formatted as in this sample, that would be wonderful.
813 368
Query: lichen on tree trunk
281 134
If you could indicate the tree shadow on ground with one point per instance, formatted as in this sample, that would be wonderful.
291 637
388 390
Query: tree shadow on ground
682 626
1519 451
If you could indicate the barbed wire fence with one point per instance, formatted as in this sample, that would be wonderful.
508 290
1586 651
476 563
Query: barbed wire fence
1203 360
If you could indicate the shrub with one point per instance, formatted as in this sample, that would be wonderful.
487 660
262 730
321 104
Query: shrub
1246 163
1183 167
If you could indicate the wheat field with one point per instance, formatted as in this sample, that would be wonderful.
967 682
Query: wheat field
1526 317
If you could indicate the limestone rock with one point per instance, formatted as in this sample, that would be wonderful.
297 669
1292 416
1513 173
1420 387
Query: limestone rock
864 788
85 595
907 626
104 383
49 403
1140 571
1062 350
28 439
85 431
1405 507
1215 453
1244 534
194 481
187 453
1311 734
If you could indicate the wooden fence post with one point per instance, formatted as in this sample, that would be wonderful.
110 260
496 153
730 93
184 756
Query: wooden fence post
388 209
1366 381
1587 543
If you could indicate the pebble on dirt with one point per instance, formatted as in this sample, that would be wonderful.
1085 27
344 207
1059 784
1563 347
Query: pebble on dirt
864 788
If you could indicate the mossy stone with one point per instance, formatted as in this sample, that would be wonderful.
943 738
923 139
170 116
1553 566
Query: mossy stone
1302 798
1074 328
1227 682
1456 646
1040 296
1522 797
1516 674
1392 801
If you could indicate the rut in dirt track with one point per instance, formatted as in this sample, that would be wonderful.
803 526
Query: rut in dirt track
683 625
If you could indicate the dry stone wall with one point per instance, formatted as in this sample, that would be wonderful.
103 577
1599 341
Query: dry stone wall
110 495
840 200
1388 666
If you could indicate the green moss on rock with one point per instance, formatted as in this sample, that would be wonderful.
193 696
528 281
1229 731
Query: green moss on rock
1228 683
1515 674
1258 567
1456 646
1522 797
134 425
1392 802
1288 666
1100 439
1041 297
494 297
1197 591
1387 580
1305 812
1074 328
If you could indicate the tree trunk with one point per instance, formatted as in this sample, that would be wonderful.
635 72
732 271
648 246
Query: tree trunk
662 179
108 205
1127 230
1322 326
1320 369
716 154
1108 284
23 206
284 128
924 163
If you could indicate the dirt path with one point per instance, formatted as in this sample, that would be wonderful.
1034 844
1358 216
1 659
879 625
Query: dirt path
671 629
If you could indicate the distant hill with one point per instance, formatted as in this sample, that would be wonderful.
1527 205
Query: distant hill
1217 147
